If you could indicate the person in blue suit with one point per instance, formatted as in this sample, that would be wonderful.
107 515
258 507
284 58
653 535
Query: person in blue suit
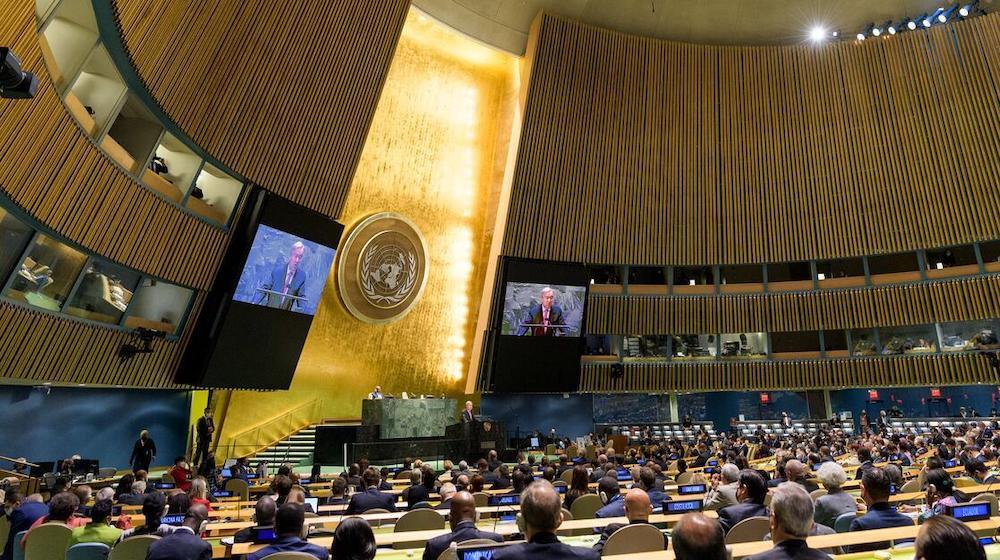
463 527
288 524
750 494
542 513
287 279
185 543
610 493
544 315
22 514
371 498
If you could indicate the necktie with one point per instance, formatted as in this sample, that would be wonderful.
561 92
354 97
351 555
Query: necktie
545 320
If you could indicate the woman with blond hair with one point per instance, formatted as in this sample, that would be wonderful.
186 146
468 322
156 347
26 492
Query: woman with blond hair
199 493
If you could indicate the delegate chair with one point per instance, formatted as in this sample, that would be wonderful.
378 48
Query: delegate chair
749 530
567 476
482 499
4 530
817 494
18 551
632 539
373 512
289 556
451 553
685 477
992 499
417 520
167 477
567 516
107 472
133 548
88 551
47 541
238 487
585 506
843 522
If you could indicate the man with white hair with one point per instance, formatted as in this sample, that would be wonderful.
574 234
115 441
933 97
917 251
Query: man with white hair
835 502
540 319
791 522
723 492
287 279
106 493
447 491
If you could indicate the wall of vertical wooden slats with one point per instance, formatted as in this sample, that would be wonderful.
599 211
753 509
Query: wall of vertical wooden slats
642 151
911 304
52 171
869 372
283 93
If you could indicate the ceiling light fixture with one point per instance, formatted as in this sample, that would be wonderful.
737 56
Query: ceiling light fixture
817 34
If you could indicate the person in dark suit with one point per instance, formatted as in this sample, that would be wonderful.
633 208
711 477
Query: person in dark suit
21 514
468 416
137 496
204 428
543 315
647 481
791 522
704 455
287 279
143 452
447 492
698 537
371 498
881 515
542 515
637 510
338 489
463 527
795 472
750 494
416 492
611 497
288 524
865 457
502 481
493 461
265 511
184 543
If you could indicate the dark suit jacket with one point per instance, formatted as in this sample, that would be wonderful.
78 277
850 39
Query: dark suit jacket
879 516
501 483
295 287
182 544
21 519
790 550
202 428
535 316
132 499
370 499
731 515
544 546
415 494
862 469
610 530
465 531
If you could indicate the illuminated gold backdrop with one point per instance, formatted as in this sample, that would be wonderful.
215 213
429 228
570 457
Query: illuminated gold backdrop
436 153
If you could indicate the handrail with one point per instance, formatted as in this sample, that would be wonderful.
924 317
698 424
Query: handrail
3 458
274 419
249 442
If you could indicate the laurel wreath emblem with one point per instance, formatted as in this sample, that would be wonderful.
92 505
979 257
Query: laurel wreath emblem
401 293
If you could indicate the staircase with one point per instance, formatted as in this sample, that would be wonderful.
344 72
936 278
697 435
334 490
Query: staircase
296 449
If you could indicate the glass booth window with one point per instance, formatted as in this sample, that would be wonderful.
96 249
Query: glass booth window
891 264
748 274
794 342
693 275
215 194
789 272
990 251
694 347
920 339
47 274
835 343
752 345
646 346
14 237
606 274
647 275
599 345
840 268
963 255
864 342
158 306
968 336
104 292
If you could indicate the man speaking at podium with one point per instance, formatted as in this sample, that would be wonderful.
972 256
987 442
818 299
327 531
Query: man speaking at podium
539 319
288 279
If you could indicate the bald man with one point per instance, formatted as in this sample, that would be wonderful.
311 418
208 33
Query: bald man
185 543
637 510
463 527
264 517
795 472
542 513
697 537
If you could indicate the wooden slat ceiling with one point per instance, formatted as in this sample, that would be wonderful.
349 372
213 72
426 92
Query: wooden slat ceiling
283 93
640 151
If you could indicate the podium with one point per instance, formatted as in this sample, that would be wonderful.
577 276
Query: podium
278 300
408 418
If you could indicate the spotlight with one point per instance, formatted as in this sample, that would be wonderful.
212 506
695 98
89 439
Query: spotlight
945 15
966 10
876 31
835 34
890 28
861 36
14 82
817 34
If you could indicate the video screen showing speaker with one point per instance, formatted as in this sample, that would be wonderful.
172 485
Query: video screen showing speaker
284 271
532 309
537 326
257 315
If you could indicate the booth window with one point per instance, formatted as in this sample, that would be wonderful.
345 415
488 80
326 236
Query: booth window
864 342
214 195
694 347
835 344
97 93
991 255
104 292
647 275
158 306
963 255
898 267
600 345
47 274
919 339
968 336
646 346
133 135
841 273
744 346
693 276
14 237
67 38
794 272
606 274
795 344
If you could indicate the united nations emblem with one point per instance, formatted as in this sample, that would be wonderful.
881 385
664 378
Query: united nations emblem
382 268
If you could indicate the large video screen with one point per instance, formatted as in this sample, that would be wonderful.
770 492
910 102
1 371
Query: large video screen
284 271
542 309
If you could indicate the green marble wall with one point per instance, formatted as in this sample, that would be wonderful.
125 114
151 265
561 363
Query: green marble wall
409 418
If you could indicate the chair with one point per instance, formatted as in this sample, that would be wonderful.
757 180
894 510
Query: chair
568 516
551 449
964 482
18 551
843 522
992 499
421 505
88 551
817 494
289 556
585 506
767 499
749 530
133 548
238 487
4 530
451 553
417 520
47 541
482 499
107 472
167 477
685 477
634 538
567 476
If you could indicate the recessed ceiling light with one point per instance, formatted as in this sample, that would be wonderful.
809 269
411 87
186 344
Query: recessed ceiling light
817 34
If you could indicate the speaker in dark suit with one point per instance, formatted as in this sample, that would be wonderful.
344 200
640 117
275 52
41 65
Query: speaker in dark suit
370 499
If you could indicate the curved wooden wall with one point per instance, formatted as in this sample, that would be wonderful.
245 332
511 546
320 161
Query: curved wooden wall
910 304
50 168
640 151
283 93
763 376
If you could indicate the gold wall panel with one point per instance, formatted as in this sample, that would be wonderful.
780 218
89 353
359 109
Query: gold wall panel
641 151
50 169
768 376
911 304
281 92
435 154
